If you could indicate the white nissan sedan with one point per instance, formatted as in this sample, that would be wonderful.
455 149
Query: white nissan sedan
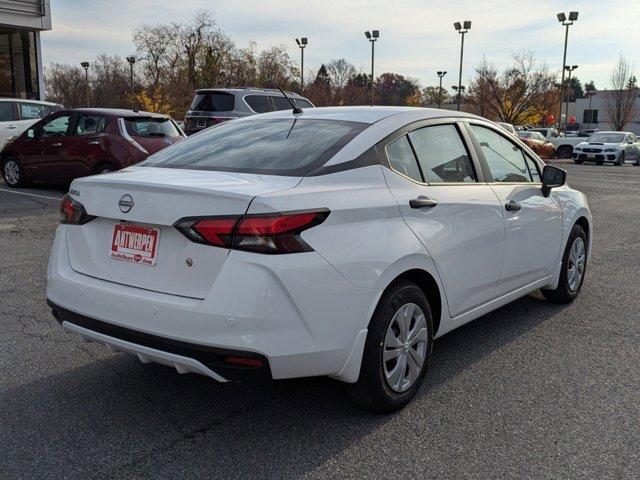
337 241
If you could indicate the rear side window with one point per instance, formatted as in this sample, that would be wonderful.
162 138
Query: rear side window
442 155
214 102
30 111
402 159
506 162
151 127
302 103
269 146
258 103
90 124
6 111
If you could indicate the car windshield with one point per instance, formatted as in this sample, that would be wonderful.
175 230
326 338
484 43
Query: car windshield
151 127
607 137
213 102
268 146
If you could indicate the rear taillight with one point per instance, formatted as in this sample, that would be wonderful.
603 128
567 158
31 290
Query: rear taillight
72 212
270 233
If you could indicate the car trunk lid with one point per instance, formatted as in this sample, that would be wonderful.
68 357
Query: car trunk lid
151 200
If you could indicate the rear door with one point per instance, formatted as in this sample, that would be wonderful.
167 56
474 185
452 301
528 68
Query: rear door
83 148
532 222
457 217
8 121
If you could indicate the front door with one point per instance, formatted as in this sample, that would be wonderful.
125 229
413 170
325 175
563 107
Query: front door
42 152
456 217
532 222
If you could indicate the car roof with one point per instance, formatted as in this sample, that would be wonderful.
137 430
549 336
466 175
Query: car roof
115 112
250 90
41 102
367 114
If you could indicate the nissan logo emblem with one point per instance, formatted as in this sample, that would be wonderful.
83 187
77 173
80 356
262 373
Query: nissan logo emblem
125 203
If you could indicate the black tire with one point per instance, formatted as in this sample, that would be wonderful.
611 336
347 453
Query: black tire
621 159
563 293
372 391
104 167
13 161
564 152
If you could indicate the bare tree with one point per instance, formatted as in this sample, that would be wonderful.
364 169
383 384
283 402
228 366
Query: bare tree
340 71
621 102
523 93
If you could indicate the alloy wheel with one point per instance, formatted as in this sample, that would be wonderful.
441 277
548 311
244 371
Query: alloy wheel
576 263
405 347
11 172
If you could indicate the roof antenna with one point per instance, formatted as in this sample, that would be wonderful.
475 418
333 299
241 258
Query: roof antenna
295 108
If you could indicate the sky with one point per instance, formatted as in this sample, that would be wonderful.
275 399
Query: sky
417 38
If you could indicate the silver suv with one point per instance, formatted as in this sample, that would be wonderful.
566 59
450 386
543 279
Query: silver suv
215 105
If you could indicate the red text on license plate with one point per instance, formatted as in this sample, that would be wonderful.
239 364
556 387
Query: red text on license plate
134 243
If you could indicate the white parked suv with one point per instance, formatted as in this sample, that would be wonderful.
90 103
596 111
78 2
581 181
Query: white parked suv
17 115
337 241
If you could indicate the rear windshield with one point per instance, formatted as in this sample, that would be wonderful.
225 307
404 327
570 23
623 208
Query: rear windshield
268 146
213 102
151 127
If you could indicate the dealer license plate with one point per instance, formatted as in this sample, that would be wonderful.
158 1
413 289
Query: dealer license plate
135 243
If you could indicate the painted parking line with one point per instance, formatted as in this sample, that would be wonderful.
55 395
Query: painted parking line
48 197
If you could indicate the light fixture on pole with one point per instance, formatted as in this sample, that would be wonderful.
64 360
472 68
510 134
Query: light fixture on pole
85 65
440 75
131 61
568 69
462 29
562 18
302 43
372 36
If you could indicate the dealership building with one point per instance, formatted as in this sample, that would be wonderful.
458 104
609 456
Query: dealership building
21 22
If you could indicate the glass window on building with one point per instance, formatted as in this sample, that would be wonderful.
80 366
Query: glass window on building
18 64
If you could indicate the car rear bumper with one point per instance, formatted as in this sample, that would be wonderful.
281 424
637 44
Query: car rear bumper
185 357
296 312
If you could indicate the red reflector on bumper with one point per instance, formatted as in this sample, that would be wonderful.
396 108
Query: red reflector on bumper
248 362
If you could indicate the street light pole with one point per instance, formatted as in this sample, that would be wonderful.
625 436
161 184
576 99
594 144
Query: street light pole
590 93
462 29
440 75
372 37
568 69
85 65
562 18
302 43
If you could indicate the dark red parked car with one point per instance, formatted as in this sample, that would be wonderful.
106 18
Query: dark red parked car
75 143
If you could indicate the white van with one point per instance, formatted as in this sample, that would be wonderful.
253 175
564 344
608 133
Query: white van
16 115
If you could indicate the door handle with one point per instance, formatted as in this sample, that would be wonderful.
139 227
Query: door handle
512 206
422 202
56 144
94 142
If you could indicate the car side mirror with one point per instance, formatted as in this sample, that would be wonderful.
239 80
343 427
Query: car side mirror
552 177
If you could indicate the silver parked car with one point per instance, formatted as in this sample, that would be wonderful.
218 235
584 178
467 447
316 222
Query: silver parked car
211 106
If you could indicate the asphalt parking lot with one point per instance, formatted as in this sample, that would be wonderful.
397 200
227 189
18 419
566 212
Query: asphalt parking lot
533 390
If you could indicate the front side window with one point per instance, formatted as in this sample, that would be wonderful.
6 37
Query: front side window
56 127
402 159
30 111
90 124
442 155
151 127
506 162
268 146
